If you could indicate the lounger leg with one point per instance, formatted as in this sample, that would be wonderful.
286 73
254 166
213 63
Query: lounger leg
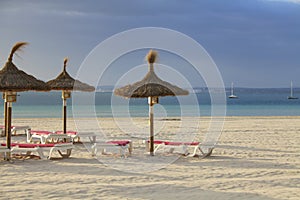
43 140
66 155
194 152
209 152
103 151
157 147
94 149
203 154
122 152
28 136
130 148
41 153
92 139
185 150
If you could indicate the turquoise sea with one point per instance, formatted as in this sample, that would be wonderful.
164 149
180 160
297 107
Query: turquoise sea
251 102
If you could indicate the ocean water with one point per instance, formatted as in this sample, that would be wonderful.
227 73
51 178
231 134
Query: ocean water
251 102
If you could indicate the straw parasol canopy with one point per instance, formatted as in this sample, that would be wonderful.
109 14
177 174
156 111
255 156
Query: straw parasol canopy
13 80
151 87
67 84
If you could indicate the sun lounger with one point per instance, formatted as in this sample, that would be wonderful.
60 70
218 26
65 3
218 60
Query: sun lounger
31 135
41 148
72 134
46 137
121 145
19 128
14 129
199 149
77 136
90 135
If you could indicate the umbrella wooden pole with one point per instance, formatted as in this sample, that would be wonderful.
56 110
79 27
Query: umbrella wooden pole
65 115
151 116
8 130
5 116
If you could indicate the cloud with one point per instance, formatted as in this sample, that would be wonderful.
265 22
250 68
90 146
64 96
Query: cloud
242 36
287 1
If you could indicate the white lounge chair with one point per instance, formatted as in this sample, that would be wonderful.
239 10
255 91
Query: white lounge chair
41 148
90 135
72 134
46 137
199 149
76 136
14 129
19 128
121 145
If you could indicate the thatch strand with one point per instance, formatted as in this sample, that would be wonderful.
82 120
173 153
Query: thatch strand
151 56
65 63
17 47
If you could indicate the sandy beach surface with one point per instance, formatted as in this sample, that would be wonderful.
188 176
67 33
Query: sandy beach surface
256 158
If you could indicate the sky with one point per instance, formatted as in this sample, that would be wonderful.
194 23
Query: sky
254 43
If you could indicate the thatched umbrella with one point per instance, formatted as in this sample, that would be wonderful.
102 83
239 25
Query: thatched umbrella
67 84
13 80
151 87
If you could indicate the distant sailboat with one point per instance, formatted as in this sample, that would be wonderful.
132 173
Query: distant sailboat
232 96
291 95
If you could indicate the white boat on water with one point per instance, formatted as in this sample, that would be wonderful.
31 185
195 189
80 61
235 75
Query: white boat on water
232 96
292 95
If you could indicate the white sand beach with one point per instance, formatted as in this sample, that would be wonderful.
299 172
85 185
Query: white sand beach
256 158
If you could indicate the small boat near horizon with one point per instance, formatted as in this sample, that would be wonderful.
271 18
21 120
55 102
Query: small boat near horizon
232 96
292 95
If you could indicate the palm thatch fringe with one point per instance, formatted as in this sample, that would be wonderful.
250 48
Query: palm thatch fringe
151 85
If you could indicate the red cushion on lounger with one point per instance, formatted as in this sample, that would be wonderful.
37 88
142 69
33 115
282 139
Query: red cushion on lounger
156 141
12 144
119 142
68 132
181 143
30 145
4 126
25 145
40 132
33 145
47 145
